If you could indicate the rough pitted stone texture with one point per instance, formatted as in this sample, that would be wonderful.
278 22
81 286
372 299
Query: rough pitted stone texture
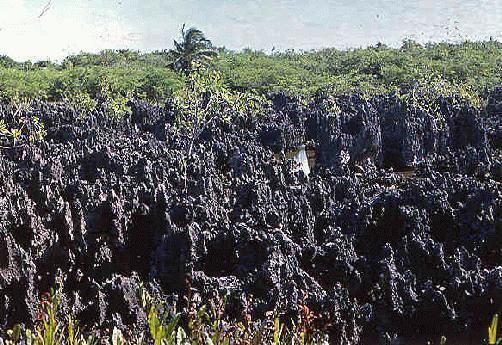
383 255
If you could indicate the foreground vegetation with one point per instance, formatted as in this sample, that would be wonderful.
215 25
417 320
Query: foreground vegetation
197 324
204 324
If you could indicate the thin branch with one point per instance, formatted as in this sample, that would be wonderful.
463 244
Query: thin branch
45 9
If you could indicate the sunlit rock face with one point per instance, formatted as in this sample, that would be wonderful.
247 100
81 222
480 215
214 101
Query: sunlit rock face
391 233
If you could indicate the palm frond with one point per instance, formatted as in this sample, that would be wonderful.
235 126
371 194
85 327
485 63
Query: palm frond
179 46
194 47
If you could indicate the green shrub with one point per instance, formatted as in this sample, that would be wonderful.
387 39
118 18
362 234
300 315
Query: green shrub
475 65
23 127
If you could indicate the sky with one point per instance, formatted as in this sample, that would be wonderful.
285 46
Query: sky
52 29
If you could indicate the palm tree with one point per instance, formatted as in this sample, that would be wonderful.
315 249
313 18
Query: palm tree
193 48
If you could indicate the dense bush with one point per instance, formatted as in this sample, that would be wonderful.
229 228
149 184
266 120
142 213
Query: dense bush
148 82
371 69
476 65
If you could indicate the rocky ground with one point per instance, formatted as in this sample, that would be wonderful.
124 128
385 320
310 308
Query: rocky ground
395 234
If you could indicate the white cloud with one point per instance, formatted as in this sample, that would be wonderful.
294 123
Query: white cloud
61 30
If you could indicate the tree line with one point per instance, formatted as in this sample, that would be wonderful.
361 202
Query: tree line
156 75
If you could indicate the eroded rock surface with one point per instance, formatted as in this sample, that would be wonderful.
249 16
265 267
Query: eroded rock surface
395 234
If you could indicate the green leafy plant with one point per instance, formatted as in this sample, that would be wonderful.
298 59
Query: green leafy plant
146 301
205 99
115 102
492 331
3 127
376 69
49 331
72 88
21 124
205 324
118 337
75 336
14 335
82 101
38 131
165 331
278 331
12 134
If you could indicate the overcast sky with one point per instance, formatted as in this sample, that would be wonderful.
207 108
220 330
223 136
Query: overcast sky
42 29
